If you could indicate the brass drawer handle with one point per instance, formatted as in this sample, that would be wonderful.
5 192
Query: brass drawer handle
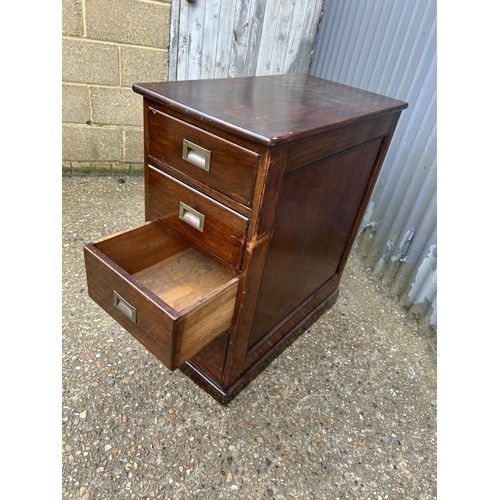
122 305
191 216
196 155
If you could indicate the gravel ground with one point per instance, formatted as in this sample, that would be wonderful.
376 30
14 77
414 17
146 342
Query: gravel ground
348 411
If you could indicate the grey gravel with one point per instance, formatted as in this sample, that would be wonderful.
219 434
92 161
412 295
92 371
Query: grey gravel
348 411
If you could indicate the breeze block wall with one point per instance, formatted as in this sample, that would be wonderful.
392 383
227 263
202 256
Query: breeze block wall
107 45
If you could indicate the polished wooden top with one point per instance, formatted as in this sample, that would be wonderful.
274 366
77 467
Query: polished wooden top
270 109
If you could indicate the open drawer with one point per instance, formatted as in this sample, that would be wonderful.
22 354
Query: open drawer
170 297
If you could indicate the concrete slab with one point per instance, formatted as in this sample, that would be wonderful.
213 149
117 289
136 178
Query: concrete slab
348 411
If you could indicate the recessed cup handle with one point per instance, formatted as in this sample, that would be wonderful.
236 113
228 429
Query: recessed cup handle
125 307
191 216
196 155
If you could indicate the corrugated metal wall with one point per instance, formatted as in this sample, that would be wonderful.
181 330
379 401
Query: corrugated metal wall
389 47
214 39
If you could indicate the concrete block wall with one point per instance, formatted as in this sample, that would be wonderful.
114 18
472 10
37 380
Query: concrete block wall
107 45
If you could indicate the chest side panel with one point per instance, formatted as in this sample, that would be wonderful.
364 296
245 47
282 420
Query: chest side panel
316 211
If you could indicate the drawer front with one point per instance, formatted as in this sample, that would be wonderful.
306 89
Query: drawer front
170 297
203 221
220 164
152 326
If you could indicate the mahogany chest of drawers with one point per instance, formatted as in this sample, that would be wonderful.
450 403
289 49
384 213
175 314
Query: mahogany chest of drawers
254 191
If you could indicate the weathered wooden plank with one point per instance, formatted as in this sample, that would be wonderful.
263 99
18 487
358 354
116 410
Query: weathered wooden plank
242 37
255 36
270 23
209 38
182 46
284 32
224 39
298 20
300 45
174 39
195 40
239 41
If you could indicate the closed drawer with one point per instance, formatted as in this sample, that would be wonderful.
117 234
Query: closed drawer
220 164
202 220
170 297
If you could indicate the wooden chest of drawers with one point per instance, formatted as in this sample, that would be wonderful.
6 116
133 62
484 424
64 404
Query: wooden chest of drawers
254 191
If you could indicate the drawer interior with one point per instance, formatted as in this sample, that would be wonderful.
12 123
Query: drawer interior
183 279
180 298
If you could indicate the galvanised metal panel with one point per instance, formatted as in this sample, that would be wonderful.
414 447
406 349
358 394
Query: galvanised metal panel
389 47
233 38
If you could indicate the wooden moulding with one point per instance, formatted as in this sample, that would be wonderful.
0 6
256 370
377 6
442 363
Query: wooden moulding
183 299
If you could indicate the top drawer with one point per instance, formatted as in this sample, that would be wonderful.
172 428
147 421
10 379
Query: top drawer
220 164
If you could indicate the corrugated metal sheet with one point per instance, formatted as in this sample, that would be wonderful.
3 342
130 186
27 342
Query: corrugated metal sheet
389 47
213 39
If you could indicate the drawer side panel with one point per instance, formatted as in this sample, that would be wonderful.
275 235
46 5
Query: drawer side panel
199 327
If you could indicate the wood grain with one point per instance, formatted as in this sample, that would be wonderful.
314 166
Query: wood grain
309 237
184 278
224 233
205 321
235 38
232 168
271 110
